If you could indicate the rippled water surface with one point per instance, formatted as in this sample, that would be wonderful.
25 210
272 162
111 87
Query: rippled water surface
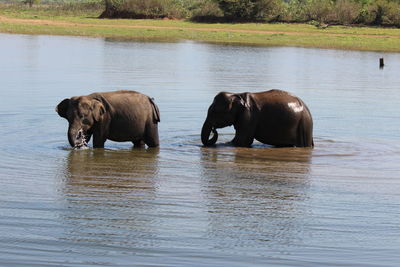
182 204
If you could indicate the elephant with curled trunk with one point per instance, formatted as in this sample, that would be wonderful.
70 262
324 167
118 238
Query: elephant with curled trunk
273 117
118 116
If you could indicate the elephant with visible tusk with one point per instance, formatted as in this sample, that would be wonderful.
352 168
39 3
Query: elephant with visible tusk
118 116
272 117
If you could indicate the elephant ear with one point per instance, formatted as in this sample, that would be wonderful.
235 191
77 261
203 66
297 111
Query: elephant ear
62 108
98 110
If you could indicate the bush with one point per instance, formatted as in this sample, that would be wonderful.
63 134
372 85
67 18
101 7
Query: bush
295 11
249 10
319 10
31 2
144 9
392 17
346 12
384 12
206 11
323 11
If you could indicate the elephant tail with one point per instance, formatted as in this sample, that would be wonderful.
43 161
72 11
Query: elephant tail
156 111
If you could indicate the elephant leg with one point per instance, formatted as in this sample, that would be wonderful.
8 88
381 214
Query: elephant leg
244 136
242 140
151 135
138 144
99 138
98 141
304 135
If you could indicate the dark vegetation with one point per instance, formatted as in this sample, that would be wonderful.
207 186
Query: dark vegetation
319 12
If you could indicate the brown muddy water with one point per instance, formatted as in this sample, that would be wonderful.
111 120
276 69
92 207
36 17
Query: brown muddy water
182 204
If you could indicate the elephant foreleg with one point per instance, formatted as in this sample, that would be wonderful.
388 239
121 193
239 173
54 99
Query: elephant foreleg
242 140
138 144
98 141
99 138
245 129
244 136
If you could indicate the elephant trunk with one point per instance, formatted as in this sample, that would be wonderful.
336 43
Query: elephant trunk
205 134
76 136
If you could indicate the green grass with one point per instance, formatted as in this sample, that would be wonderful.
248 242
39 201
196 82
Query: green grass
83 22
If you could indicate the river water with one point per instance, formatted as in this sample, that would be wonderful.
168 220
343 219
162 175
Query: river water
182 204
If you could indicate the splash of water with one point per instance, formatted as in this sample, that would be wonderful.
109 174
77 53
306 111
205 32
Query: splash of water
81 140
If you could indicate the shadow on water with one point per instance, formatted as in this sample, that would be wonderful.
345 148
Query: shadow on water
256 195
108 192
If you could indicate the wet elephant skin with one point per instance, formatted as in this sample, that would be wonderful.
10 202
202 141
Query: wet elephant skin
272 117
118 116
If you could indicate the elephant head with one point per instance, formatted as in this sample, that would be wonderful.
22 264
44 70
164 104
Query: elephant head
84 114
224 111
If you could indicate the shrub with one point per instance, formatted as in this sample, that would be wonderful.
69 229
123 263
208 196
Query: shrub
249 10
384 12
144 9
31 2
206 11
373 12
319 10
295 11
346 12
392 17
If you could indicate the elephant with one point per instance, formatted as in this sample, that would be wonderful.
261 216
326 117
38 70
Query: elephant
273 117
118 116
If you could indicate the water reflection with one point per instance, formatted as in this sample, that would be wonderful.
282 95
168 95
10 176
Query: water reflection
93 170
256 195
108 193
187 205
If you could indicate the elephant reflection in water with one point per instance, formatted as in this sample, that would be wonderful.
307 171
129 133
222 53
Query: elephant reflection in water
111 190
123 171
256 194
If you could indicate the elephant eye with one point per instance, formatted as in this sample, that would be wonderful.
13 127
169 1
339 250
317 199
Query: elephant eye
82 115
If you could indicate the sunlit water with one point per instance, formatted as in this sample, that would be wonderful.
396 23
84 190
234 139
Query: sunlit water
182 204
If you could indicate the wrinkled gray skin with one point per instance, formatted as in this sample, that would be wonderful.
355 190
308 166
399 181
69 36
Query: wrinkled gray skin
118 116
273 117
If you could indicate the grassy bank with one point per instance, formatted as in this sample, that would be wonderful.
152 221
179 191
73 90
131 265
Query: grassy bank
83 22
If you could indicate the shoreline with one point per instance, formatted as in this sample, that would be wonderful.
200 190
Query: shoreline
280 34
